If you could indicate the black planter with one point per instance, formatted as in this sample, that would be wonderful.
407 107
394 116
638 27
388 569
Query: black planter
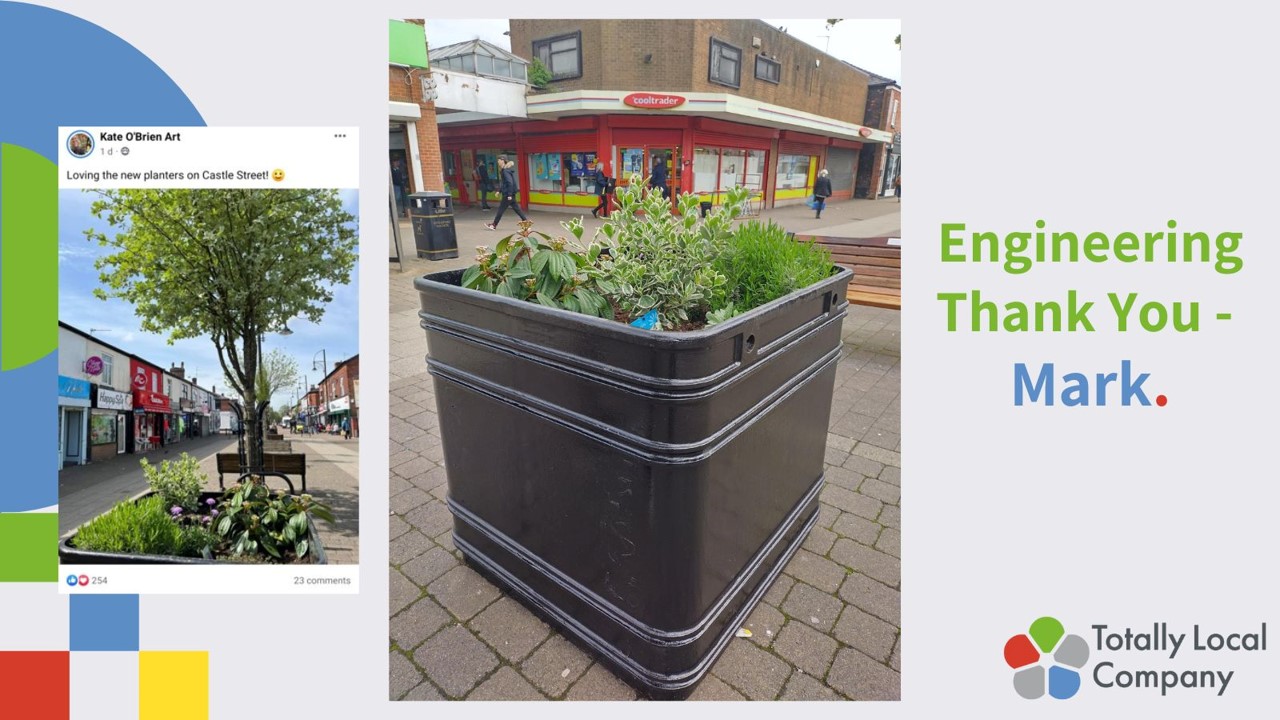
70 555
641 489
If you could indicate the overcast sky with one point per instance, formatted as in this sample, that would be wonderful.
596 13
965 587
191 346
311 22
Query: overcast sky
865 43
115 322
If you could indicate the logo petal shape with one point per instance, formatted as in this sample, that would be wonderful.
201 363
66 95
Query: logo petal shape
1019 652
1063 683
1029 683
1073 652
1046 632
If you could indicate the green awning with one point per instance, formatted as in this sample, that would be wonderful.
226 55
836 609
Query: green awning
408 44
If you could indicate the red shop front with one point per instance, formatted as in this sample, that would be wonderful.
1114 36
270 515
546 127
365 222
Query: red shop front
556 160
150 407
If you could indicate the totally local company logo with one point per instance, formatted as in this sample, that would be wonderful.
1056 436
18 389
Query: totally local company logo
1045 658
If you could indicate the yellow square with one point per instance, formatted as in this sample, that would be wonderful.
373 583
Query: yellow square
173 685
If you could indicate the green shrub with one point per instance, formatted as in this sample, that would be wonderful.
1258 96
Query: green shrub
539 75
761 263
144 527
177 482
536 267
663 261
256 520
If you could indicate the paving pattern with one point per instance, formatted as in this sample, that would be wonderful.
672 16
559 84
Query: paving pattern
828 629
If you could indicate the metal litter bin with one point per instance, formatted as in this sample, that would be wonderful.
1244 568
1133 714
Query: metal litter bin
434 232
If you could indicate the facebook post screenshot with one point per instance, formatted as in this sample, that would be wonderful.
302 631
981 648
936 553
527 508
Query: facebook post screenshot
208 360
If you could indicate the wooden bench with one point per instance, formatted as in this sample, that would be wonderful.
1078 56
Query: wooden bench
876 266
282 463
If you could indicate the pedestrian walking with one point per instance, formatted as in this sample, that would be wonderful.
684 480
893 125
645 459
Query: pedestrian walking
821 191
658 180
508 190
400 179
346 428
897 188
603 183
482 184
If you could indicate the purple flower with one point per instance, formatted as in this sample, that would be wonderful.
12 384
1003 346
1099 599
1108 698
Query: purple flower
206 519
176 510
210 502
213 513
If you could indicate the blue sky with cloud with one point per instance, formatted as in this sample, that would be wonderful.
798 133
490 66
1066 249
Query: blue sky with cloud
115 321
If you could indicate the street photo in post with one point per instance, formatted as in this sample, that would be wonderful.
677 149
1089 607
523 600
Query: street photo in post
209 365
654 267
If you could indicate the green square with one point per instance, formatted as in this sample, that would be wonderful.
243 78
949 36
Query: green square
28 547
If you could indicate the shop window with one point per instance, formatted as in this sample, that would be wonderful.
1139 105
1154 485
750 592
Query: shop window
732 166
768 70
754 177
793 171
632 163
102 428
582 173
544 172
706 168
716 170
726 64
561 54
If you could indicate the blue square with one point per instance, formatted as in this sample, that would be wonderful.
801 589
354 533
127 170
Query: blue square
104 623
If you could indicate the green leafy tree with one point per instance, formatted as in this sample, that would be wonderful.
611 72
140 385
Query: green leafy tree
228 265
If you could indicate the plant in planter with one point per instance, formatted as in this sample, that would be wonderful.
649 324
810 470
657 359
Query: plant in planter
647 487
536 267
144 527
663 262
178 523
177 482
761 263
256 520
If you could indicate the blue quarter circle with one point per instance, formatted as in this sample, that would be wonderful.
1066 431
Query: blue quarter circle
58 69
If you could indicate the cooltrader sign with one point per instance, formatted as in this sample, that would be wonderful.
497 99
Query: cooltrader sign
652 101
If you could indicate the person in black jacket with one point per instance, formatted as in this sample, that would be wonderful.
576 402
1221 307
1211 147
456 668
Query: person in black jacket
602 188
821 191
482 184
508 190
658 181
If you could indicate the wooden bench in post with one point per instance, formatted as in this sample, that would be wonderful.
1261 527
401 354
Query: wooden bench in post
282 463
876 264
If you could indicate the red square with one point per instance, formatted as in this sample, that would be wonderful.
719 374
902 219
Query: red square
35 685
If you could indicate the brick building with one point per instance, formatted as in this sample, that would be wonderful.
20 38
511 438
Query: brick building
719 103
414 139
337 394
879 165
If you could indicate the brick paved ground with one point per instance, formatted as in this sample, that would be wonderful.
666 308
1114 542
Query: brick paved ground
829 628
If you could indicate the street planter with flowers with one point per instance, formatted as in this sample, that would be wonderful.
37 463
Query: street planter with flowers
178 523
642 488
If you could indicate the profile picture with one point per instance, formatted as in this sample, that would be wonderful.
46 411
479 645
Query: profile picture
80 144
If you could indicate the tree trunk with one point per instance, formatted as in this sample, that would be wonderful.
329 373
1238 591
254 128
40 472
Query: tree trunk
252 423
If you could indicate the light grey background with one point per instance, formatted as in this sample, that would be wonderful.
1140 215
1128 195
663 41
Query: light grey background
1091 116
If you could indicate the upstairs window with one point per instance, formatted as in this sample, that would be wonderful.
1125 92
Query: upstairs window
561 54
726 64
768 70
108 365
